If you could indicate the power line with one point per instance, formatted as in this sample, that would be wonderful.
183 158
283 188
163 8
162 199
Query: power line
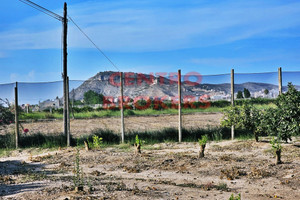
42 9
93 43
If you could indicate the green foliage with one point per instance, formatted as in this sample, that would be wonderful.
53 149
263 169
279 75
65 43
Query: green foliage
137 140
239 95
232 197
203 140
129 113
275 144
97 141
282 121
288 113
266 91
245 117
247 93
6 116
231 117
7 141
91 97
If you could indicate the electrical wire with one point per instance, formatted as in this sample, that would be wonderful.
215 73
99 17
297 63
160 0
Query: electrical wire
42 9
93 43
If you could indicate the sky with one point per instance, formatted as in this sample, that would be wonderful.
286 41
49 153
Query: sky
209 37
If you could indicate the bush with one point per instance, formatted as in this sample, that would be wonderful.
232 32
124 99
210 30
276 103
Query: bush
6 116
282 121
244 117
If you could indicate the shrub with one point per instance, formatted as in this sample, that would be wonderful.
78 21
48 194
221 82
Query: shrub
97 141
232 197
202 144
276 146
288 113
6 116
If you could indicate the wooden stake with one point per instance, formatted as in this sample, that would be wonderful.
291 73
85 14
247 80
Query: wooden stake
179 108
232 99
122 109
280 80
65 74
68 113
16 116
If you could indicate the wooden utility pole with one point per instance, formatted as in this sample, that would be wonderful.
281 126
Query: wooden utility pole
65 76
280 80
68 112
122 108
16 116
232 99
179 108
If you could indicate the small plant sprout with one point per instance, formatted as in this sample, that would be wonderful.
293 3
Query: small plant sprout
276 146
202 144
97 141
137 144
232 197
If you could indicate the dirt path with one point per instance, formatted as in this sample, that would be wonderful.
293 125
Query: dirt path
162 171
135 123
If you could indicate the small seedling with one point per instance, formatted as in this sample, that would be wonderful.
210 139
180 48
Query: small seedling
202 144
232 197
276 146
137 144
97 141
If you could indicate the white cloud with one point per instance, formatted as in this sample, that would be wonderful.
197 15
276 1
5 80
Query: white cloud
137 26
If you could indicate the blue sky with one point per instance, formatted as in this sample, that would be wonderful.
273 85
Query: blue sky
209 37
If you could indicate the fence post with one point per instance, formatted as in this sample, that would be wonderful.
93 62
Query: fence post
122 108
179 107
16 116
68 112
232 99
280 80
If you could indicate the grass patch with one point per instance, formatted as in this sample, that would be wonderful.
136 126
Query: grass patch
110 138
116 113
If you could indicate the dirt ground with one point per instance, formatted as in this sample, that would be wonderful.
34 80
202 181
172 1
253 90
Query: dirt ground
162 171
132 123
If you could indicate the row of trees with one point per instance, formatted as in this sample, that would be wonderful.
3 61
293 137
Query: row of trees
246 94
282 121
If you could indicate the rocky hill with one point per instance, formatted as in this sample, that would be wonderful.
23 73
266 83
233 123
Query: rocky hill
107 83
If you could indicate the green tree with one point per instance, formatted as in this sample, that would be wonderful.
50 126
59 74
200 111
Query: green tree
239 95
288 113
245 117
247 93
266 91
91 97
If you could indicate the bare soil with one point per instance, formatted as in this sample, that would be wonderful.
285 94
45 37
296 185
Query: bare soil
162 171
132 123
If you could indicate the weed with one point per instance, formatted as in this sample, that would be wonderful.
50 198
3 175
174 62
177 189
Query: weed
222 186
232 173
232 197
97 141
